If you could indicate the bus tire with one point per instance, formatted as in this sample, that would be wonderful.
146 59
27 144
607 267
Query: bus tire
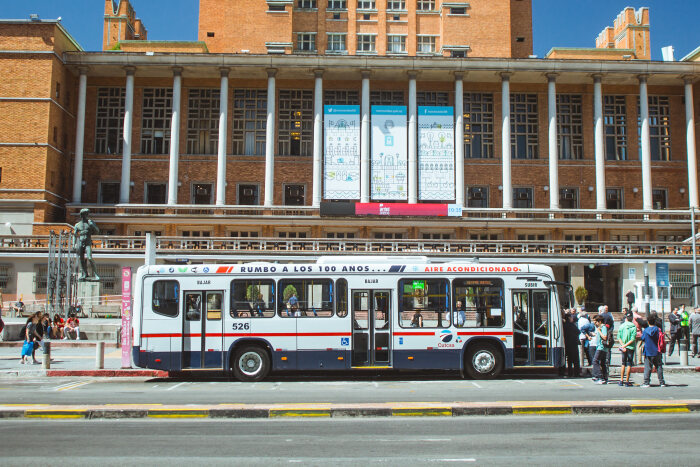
250 363
483 361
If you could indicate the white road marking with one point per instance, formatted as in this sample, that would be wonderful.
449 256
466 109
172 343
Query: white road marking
176 386
73 386
456 460
518 381
475 384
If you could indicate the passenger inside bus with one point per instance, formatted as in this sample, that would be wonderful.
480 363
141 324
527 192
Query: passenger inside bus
194 307
417 321
461 314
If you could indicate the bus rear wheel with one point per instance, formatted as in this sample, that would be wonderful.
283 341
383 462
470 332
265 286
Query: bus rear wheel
250 363
483 361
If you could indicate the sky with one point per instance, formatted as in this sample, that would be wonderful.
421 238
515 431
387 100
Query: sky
556 23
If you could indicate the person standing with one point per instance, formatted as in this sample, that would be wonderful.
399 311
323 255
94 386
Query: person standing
652 356
639 323
694 322
675 324
585 329
630 298
609 323
626 335
685 328
600 360
571 345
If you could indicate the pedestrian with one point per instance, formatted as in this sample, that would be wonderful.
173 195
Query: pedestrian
571 346
652 356
2 323
586 330
675 324
600 359
609 323
72 325
685 328
626 335
640 323
694 322
630 298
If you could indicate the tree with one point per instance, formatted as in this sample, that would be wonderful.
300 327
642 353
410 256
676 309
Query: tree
581 295
288 292
252 292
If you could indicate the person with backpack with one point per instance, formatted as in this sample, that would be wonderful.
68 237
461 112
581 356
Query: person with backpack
627 336
600 359
652 337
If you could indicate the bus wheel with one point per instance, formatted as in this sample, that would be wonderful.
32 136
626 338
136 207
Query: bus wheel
251 364
483 361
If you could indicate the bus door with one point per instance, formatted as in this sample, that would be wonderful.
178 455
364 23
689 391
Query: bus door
532 337
371 328
202 332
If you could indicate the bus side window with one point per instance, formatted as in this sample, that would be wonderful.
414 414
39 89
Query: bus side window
166 298
341 290
252 298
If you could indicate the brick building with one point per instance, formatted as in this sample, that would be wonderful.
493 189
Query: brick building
557 160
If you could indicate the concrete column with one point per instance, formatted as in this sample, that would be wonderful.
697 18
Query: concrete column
647 203
459 138
221 153
365 181
690 144
599 142
505 142
553 142
125 187
412 139
175 137
318 139
270 138
80 138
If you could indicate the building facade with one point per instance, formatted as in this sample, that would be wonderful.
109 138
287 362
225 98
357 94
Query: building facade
587 165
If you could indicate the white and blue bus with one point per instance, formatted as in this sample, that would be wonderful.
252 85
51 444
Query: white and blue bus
343 313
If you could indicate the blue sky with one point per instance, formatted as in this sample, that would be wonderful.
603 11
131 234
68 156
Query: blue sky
557 23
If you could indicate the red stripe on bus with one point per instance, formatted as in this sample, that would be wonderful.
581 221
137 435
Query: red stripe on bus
224 269
432 333
162 335
485 334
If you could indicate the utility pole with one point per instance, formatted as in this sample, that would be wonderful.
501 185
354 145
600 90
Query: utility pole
647 298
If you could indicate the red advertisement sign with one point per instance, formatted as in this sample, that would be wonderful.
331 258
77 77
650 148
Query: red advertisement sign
401 209
126 317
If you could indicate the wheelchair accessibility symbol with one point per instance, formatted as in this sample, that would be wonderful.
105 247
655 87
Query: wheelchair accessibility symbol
344 341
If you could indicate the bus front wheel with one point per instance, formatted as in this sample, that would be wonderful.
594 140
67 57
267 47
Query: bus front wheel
250 363
483 361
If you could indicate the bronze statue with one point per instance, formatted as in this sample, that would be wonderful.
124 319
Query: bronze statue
82 235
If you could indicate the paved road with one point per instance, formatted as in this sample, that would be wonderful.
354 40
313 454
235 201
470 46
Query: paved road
368 389
528 440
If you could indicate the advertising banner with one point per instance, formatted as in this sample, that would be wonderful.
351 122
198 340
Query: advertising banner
126 317
341 164
389 152
436 153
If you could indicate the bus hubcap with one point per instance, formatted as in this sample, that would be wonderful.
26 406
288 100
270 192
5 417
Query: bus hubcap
250 363
484 361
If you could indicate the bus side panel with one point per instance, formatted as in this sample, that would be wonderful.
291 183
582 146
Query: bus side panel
161 335
423 359
332 359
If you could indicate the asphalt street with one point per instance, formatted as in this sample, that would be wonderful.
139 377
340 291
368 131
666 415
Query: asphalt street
527 440
327 389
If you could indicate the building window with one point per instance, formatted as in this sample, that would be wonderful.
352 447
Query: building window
243 234
366 43
306 3
426 5
388 235
433 98
195 233
203 121
458 10
478 197
306 42
155 121
480 236
681 281
568 198
340 235
110 279
295 122
523 126
269 8
339 97
294 195
613 198
395 44
109 193
659 128
522 198
580 238
366 4
659 198
202 193
291 234
396 4
337 4
436 236
570 126
248 195
109 121
249 121
337 42
426 44
478 126
4 276
458 54
41 278
386 98
615 117
156 193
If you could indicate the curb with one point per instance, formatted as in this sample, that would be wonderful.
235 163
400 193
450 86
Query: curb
61 344
118 373
339 411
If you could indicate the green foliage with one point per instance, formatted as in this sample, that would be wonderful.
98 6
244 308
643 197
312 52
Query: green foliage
581 295
289 291
252 293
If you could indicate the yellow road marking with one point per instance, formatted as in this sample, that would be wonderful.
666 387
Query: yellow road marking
300 413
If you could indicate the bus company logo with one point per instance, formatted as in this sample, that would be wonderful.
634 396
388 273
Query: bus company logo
445 339
171 270
205 270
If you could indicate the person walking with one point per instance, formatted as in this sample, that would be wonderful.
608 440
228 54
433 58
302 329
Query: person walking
675 324
652 356
639 323
626 335
600 359
630 298
694 322
586 329
571 345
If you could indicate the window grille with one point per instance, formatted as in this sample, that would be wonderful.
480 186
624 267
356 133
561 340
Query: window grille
478 126
524 126
386 98
203 121
295 122
680 281
4 275
341 97
570 126
109 121
249 122
615 120
433 98
155 121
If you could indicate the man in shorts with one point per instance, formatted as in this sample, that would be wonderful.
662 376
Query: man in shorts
627 336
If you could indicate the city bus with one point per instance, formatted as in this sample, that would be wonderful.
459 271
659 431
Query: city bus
347 313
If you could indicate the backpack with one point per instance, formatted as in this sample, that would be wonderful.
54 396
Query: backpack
662 342
609 340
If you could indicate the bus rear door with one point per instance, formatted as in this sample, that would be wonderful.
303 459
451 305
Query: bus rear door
371 323
532 336
202 329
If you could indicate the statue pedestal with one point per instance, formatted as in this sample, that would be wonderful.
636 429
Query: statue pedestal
88 295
